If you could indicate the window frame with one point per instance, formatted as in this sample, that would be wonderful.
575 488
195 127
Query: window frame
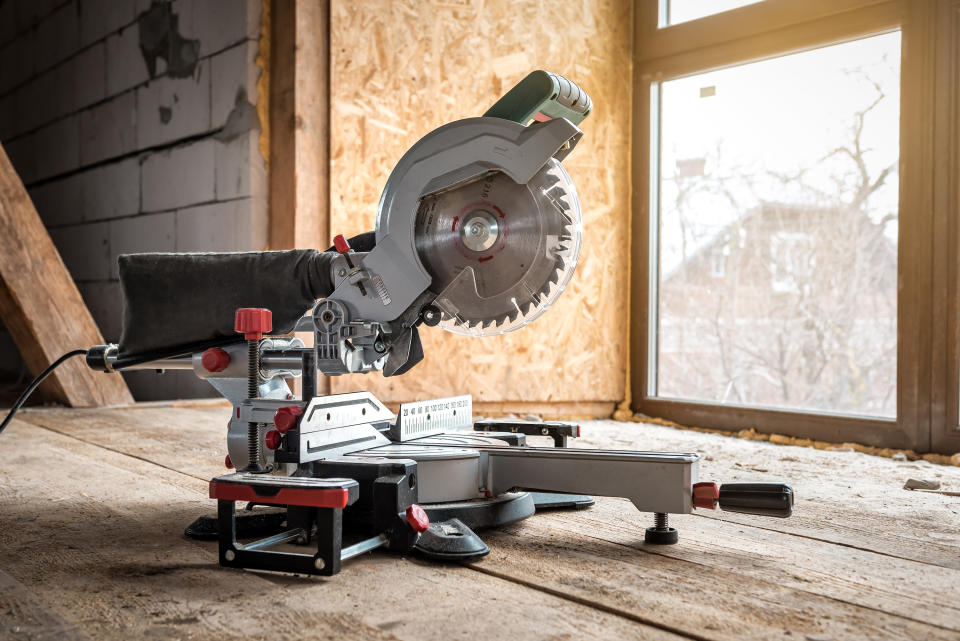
928 346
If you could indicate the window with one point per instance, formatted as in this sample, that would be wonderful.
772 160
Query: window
799 155
676 11
793 271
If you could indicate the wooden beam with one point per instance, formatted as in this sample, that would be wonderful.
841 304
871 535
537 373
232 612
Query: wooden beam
299 124
41 306
282 128
299 168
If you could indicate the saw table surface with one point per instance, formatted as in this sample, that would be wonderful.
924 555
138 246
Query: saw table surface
93 504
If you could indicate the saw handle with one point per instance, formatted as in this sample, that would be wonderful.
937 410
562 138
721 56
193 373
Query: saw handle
762 499
543 96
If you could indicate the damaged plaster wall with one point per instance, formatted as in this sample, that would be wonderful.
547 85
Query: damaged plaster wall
134 125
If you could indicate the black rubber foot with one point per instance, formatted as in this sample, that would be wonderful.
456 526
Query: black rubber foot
450 540
654 536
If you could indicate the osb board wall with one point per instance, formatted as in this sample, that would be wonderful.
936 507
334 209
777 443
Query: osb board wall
401 69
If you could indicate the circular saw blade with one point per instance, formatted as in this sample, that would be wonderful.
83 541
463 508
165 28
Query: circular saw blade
499 253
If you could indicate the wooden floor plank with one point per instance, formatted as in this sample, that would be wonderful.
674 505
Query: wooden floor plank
860 558
692 599
844 498
24 615
922 593
100 535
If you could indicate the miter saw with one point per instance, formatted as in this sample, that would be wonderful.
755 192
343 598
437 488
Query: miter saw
478 232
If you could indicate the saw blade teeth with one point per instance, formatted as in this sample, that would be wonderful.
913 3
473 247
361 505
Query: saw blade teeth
551 178
559 198
543 245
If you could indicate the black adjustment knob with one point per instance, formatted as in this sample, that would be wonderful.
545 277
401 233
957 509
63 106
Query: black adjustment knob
763 499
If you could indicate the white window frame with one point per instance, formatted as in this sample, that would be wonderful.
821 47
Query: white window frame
928 351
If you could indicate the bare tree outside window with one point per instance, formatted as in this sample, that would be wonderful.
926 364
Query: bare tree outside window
778 232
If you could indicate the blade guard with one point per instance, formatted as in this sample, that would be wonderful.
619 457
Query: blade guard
449 156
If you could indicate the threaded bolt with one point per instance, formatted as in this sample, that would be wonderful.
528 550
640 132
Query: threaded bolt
660 521
253 384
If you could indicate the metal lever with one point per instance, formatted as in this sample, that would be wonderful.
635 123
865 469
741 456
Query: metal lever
762 499
343 248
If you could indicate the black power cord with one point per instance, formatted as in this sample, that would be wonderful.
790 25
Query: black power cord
36 383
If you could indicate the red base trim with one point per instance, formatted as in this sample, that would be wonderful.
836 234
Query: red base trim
321 497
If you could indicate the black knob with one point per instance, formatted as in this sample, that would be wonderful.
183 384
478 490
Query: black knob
763 499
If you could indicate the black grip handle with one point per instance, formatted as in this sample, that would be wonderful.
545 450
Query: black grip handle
763 499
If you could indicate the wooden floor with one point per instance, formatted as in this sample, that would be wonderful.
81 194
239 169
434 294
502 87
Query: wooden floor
93 506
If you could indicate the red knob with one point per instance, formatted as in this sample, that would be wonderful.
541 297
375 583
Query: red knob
341 244
272 439
215 360
253 322
417 518
287 417
228 462
706 495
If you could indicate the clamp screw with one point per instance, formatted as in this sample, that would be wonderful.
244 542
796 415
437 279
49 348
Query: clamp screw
253 323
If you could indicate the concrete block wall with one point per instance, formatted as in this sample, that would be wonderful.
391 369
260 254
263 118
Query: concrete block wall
133 124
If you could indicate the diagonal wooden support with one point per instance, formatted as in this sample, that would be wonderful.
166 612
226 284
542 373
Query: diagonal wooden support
41 306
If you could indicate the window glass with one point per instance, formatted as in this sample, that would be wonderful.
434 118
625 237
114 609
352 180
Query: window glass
776 272
677 11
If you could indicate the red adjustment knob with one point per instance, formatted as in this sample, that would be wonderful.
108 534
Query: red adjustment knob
341 244
228 462
287 417
706 495
215 360
272 439
253 322
417 518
